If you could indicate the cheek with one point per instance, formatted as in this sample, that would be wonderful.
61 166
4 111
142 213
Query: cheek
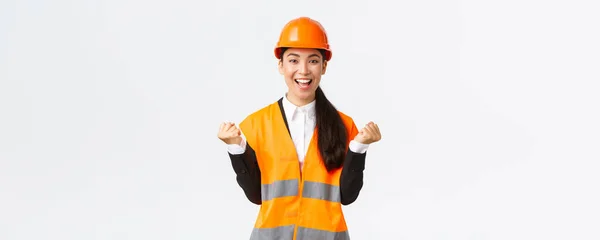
317 70
288 72
316 82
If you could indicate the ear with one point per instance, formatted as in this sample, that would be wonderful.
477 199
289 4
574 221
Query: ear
324 67
280 66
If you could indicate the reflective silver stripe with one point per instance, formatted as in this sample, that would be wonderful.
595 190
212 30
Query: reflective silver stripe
287 233
284 188
321 191
310 234
277 233
281 188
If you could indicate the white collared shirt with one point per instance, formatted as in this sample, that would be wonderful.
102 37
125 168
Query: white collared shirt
301 121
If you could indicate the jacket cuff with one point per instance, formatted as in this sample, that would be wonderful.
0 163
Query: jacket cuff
235 149
357 147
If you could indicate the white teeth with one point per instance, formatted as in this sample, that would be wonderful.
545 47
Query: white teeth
303 81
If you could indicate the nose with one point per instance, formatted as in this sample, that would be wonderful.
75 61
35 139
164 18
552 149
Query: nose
303 69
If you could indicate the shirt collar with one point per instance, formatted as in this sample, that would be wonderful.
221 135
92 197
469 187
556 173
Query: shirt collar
291 109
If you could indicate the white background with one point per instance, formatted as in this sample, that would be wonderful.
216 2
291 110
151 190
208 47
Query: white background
489 112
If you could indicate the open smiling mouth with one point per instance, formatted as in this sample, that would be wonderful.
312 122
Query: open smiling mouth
303 83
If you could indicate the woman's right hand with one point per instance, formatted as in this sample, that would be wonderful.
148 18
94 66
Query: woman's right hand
229 133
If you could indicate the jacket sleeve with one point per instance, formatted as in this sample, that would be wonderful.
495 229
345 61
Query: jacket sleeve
247 173
351 179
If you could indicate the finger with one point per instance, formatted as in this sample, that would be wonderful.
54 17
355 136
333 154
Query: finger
371 128
368 132
225 128
233 129
228 127
377 131
222 126
232 135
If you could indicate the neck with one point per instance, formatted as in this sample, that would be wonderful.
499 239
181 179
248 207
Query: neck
298 101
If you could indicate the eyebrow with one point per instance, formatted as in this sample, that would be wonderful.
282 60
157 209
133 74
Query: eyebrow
312 55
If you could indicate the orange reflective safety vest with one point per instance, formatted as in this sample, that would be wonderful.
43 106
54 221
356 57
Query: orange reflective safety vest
295 205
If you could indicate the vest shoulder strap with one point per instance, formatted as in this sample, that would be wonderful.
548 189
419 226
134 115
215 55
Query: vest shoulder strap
350 126
251 125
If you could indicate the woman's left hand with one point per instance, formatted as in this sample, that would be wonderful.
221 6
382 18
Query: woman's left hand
369 134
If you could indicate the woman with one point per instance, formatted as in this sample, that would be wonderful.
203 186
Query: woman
300 158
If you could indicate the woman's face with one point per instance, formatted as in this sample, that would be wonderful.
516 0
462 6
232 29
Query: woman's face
302 70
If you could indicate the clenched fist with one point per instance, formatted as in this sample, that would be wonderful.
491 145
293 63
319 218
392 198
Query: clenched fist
369 134
229 133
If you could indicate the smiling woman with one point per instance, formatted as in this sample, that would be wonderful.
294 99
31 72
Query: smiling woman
302 72
300 158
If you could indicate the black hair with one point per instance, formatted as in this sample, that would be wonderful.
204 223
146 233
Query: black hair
332 135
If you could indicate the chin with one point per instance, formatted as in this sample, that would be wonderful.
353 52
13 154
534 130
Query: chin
306 95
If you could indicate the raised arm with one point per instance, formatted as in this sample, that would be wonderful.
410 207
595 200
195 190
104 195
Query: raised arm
247 173
351 179
243 161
